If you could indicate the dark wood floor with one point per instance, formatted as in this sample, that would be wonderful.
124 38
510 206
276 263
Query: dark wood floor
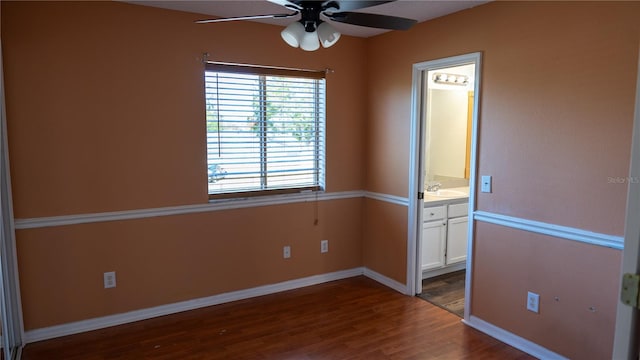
446 291
354 318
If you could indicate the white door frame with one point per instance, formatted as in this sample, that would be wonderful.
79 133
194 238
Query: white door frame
416 166
626 338
10 303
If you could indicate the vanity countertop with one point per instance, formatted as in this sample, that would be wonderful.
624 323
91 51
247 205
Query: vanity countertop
431 199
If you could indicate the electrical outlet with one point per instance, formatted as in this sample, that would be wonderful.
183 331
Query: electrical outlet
324 246
109 279
485 184
533 302
286 252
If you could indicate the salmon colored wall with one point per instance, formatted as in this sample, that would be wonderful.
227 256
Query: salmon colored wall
164 260
577 288
96 90
104 109
555 112
385 236
105 113
566 124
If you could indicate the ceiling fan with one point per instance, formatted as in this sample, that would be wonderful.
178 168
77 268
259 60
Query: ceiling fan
312 29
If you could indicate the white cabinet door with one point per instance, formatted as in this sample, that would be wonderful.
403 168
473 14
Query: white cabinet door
434 236
457 240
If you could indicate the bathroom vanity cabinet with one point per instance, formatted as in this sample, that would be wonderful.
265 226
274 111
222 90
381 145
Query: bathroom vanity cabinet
444 238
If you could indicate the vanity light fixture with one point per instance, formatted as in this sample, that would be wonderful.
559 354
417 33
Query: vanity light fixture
451 79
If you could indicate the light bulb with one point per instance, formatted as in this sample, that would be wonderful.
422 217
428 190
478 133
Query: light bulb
327 35
293 34
310 41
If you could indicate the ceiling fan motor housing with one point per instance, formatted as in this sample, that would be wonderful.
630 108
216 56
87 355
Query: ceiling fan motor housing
310 15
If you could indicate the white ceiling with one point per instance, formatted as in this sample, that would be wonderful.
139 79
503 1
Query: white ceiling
421 10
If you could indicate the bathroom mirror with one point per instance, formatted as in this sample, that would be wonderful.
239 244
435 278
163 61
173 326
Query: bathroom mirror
448 130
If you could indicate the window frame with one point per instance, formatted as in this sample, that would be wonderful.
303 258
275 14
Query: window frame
319 133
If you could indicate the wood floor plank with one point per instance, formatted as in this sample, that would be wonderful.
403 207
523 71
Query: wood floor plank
355 318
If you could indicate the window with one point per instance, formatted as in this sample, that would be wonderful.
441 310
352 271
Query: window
265 130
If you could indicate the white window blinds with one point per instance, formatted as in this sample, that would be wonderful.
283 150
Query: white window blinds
265 130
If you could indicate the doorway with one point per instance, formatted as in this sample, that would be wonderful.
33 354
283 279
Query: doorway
442 173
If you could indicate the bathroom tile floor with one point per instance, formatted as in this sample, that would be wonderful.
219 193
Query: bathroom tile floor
446 291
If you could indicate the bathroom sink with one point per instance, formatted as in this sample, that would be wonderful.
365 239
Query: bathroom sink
447 193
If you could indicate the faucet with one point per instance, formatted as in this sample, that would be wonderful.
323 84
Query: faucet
433 187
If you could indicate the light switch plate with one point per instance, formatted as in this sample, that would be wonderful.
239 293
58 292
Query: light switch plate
485 183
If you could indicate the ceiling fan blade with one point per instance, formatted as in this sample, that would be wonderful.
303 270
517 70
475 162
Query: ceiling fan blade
293 4
330 5
249 17
351 5
372 20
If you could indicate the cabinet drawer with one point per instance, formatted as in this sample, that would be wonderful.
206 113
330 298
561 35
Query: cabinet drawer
434 213
457 210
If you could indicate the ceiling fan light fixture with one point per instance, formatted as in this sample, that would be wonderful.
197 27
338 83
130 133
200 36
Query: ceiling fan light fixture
310 41
310 30
327 35
293 34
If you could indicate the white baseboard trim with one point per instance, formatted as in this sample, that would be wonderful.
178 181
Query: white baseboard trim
511 339
388 282
143 314
445 270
